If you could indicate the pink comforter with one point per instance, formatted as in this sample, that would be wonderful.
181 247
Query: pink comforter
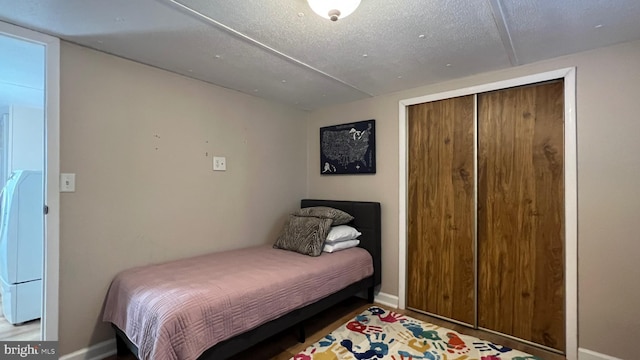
179 309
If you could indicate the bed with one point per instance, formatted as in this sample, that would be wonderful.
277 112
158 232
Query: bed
256 308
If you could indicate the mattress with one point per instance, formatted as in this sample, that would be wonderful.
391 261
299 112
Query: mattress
178 309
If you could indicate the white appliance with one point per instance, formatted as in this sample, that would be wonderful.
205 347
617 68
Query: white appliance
21 246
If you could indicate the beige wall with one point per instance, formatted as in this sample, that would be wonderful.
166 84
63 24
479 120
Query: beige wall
608 120
141 142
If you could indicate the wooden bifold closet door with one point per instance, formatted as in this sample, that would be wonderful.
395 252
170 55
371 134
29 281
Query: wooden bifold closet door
521 213
485 246
440 277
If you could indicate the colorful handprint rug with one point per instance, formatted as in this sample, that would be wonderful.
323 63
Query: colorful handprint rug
381 334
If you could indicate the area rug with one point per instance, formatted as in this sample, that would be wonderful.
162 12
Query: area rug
381 334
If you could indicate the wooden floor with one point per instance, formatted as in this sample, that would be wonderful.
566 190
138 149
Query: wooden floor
29 331
284 345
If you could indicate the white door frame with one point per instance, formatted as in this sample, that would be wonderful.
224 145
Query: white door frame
570 181
49 324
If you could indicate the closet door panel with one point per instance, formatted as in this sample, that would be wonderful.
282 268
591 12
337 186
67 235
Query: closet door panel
521 213
440 276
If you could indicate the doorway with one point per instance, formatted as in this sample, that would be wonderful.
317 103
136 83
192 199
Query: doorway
570 185
29 178
485 243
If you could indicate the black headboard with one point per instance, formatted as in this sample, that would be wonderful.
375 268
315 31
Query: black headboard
366 220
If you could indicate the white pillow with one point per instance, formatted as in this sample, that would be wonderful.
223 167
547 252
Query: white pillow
342 233
340 245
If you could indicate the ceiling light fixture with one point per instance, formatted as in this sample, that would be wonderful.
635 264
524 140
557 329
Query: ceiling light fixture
333 9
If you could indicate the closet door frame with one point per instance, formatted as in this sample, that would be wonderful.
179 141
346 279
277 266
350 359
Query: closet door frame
570 185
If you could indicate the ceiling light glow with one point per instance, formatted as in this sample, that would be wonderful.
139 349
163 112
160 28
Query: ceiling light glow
334 9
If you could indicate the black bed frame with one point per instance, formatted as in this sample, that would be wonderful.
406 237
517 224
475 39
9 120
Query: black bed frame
367 221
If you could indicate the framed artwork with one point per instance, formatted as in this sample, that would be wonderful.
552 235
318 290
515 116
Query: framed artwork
348 148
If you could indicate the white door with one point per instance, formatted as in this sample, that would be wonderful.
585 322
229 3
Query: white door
29 143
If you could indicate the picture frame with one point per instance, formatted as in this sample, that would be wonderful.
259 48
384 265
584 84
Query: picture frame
348 148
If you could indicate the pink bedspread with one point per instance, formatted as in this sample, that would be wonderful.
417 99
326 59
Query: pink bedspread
179 309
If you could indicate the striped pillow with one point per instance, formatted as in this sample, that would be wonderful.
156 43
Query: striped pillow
339 217
304 234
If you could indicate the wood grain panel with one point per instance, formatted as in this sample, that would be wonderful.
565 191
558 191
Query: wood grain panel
440 276
521 213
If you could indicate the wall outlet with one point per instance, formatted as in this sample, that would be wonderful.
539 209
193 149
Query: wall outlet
219 163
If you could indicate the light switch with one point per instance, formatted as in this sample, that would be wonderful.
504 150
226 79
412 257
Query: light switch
67 182
219 163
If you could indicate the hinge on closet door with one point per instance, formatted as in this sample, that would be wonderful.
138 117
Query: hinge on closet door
46 209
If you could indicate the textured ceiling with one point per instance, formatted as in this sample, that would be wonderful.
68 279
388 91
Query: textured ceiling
282 51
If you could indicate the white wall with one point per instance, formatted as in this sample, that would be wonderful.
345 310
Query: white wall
26 138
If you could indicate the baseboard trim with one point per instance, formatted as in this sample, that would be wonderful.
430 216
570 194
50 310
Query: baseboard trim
98 351
386 299
584 354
